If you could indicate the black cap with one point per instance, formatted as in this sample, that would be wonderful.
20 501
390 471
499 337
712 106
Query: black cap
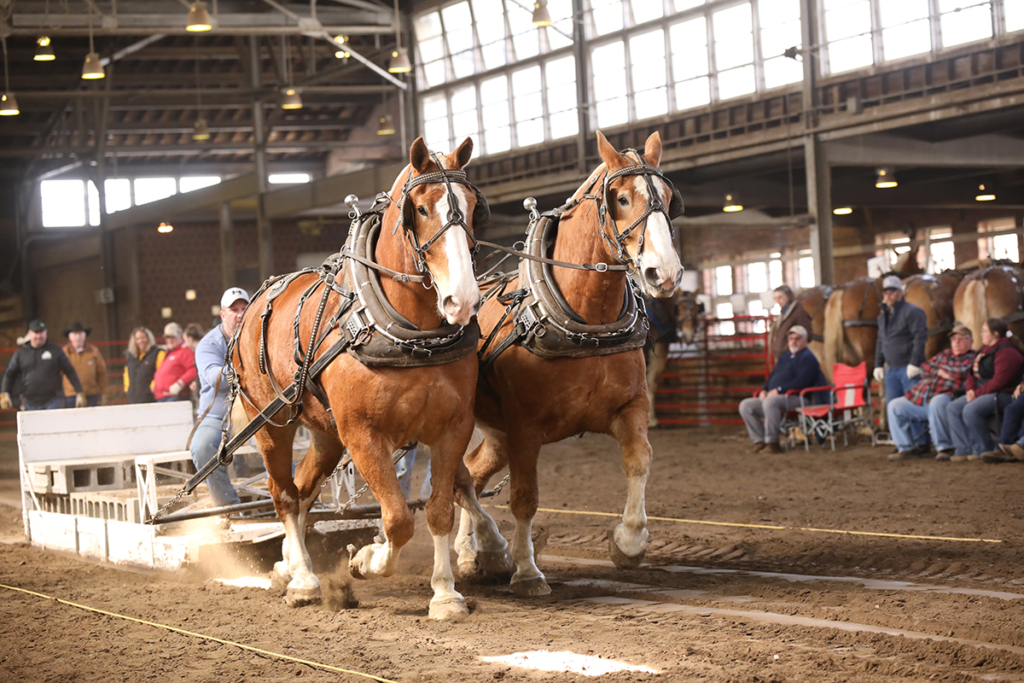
77 327
37 326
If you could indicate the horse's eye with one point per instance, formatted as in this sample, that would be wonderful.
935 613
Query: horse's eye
422 211
623 200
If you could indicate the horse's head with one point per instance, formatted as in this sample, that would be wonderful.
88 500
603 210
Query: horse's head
639 201
439 211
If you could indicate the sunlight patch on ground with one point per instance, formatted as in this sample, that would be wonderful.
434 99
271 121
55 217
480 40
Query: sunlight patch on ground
247 582
569 662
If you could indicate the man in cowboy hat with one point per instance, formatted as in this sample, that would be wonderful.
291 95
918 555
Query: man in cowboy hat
88 363
39 365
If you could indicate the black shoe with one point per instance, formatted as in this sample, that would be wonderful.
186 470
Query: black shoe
944 455
996 457
924 450
912 454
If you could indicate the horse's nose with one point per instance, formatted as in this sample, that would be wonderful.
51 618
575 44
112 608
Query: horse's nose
458 312
659 280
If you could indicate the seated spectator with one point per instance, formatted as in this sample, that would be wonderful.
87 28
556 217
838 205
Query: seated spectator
1011 437
172 379
996 371
143 359
88 363
924 406
796 369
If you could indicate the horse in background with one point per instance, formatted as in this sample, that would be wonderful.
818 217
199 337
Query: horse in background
934 295
814 299
675 319
996 291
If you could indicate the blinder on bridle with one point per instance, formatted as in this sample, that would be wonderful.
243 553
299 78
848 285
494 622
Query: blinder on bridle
654 205
481 213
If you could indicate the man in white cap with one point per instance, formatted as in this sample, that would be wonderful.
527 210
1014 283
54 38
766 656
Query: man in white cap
213 392
902 334
796 369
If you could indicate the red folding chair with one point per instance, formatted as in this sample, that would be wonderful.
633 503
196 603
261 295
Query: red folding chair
849 406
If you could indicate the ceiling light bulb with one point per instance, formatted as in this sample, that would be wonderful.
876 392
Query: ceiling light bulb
44 53
341 40
541 16
291 100
386 127
198 17
165 228
732 204
201 131
92 69
9 105
842 211
399 62
885 178
342 54
984 195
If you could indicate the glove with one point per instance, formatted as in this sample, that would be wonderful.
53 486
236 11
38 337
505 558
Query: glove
5 402
913 371
175 388
879 374
79 400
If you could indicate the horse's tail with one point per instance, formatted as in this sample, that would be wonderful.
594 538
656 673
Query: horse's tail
974 308
835 338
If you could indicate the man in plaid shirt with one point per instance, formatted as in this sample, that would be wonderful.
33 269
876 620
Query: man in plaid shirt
925 403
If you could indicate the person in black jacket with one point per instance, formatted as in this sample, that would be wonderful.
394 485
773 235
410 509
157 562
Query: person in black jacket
141 362
39 365
902 334
796 369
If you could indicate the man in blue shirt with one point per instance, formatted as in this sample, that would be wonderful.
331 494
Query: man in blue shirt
210 364
796 369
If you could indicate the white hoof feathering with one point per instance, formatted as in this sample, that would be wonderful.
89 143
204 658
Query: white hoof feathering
451 608
627 549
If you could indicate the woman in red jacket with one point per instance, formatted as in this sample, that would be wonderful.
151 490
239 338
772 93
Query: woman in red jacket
997 370
178 371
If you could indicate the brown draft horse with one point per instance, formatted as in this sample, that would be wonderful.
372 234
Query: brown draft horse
378 409
525 401
996 291
813 299
681 311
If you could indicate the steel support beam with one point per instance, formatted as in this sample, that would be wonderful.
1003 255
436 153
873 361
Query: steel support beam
819 175
264 234
582 97
227 246
886 149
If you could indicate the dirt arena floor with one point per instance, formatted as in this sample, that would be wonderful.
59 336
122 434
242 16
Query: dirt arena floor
713 602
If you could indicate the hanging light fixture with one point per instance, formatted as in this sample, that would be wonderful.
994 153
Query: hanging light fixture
92 69
842 210
387 126
291 99
44 53
732 203
885 178
198 17
985 194
541 16
165 228
341 53
201 131
399 56
8 103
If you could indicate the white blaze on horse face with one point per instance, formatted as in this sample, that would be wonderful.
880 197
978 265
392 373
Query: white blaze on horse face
661 268
458 297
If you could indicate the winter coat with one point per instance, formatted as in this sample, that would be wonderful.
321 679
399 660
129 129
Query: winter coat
91 369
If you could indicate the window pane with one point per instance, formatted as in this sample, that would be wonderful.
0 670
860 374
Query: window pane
612 112
607 15
561 72
431 49
464 64
190 183
725 311
736 82
490 20
496 114
530 132
782 71
943 257
562 98
494 55
851 53
564 124
528 106
775 39
851 20
734 43
693 93
1004 247
463 99
723 281
524 32
609 69
494 90
805 266
434 73
650 103
464 116
1013 13
435 134
63 203
153 189
119 194
689 41
680 5
772 12
906 40
647 56
434 106
774 274
560 32
967 24
646 10
93 198
526 81
498 139
427 25
757 277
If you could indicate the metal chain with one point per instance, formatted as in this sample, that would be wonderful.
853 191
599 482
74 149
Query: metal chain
497 489
163 510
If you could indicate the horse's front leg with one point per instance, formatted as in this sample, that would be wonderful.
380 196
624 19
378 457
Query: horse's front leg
483 552
524 497
627 543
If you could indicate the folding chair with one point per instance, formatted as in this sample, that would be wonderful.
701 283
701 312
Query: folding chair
849 396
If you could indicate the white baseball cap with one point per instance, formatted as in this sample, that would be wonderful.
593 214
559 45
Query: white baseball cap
232 295
892 282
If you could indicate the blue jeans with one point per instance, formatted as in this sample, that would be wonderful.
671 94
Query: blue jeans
205 442
170 399
968 422
938 421
55 403
907 423
897 383
1013 422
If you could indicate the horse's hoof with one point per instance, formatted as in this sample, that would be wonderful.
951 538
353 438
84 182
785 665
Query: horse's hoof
353 569
495 563
531 588
449 609
621 559
300 597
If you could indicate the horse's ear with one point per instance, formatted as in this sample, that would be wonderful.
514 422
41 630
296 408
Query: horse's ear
612 159
464 153
419 156
652 150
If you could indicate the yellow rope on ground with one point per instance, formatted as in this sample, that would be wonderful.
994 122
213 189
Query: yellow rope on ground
771 526
267 653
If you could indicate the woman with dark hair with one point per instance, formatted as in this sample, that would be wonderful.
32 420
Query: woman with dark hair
791 313
997 370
